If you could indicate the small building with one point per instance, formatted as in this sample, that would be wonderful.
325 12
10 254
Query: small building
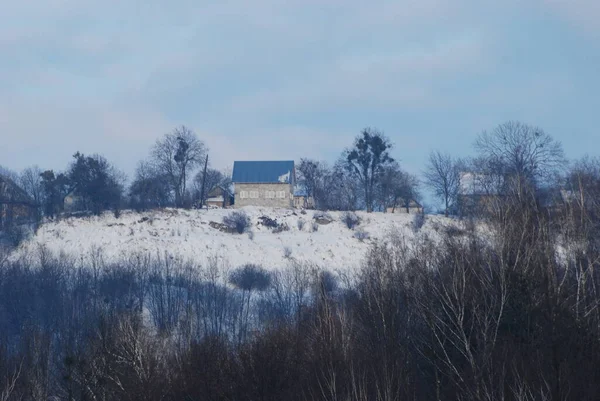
264 183
478 193
403 207
303 201
16 207
73 203
219 197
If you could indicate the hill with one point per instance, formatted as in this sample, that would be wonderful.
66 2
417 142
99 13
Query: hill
194 235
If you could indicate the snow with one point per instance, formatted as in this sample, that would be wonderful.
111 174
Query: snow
186 234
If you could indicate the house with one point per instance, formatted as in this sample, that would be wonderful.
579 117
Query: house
73 203
477 192
16 207
264 183
401 207
219 197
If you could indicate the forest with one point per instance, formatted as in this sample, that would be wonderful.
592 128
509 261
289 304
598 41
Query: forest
510 315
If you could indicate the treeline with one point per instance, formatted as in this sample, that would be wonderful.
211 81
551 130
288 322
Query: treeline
177 173
366 176
511 315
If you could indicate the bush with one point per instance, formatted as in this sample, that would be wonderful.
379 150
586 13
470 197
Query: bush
287 252
418 221
281 227
250 277
315 226
361 235
301 223
16 234
268 222
319 214
322 217
251 235
238 221
350 219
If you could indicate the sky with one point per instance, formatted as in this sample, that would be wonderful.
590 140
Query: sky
277 79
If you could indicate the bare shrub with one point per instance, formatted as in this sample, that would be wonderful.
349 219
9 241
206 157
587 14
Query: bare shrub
16 234
300 224
250 277
361 235
350 219
315 226
268 222
322 217
238 221
251 235
454 231
418 221
287 252
281 227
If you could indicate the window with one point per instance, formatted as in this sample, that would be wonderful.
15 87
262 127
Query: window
269 194
281 194
253 194
243 194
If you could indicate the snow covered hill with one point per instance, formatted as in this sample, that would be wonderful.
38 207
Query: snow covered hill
189 234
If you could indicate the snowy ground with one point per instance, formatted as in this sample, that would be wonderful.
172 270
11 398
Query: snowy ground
188 235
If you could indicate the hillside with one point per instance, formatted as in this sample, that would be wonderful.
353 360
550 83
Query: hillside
188 234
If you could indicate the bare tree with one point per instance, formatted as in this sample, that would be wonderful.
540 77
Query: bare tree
211 180
442 175
311 176
31 181
175 155
521 154
367 158
396 188
149 188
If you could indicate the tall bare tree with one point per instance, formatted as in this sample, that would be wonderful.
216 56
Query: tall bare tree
212 179
521 154
31 181
442 176
396 188
175 155
311 175
367 158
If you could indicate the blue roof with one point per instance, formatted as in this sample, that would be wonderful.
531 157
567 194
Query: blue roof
263 172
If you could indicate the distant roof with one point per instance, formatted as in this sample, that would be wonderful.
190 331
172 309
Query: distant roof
10 191
263 172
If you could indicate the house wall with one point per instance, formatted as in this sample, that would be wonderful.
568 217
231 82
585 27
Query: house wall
302 202
261 191
402 209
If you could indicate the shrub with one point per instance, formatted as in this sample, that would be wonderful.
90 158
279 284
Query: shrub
322 217
238 221
418 221
16 234
251 235
454 231
350 219
300 224
315 226
287 252
281 227
250 277
268 222
319 214
361 235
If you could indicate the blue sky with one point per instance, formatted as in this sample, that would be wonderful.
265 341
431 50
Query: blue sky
267 79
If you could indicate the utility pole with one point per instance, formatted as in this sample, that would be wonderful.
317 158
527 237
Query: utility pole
203 182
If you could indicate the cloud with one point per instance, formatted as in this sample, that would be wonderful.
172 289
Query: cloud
269 79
